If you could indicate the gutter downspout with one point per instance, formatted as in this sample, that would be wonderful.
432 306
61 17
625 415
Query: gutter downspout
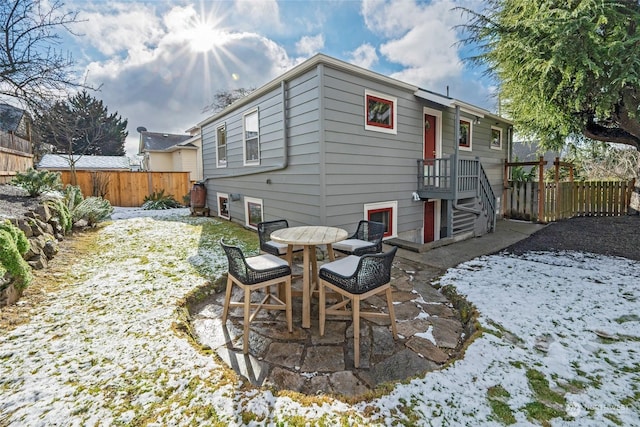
456 143
285 144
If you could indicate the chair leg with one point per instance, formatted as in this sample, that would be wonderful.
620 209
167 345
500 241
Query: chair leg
321 307
392 313
227 300
355 308
247 307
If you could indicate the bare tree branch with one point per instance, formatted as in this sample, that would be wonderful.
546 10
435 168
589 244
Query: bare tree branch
32 70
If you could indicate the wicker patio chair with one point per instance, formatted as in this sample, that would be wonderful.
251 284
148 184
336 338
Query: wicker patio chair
255 273
366 240
269 246
357 278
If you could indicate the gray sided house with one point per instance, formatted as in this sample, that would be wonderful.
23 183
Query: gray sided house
329 143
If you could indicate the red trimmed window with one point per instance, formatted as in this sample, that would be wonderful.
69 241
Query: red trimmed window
385 216
380 112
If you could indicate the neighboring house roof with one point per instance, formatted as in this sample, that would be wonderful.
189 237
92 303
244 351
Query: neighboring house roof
350 68
157 141
10 117
57 161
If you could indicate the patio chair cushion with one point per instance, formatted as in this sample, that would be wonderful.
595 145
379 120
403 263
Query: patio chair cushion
351 245
281 248
344 266
265 262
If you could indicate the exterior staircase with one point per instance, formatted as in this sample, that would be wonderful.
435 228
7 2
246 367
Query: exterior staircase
467 190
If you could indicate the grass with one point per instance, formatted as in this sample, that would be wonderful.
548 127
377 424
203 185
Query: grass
498 397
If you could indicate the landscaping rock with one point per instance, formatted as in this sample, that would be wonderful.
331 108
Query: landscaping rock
43 212
50 249
25 227
8 293
39 262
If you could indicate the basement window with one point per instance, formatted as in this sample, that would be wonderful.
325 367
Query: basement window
252 212
223 205
386 213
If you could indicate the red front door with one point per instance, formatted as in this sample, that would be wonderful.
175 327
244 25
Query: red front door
429 153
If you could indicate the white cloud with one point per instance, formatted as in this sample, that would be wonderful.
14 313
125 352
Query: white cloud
422 38
262 14
122 27
364 56
162 79
310 45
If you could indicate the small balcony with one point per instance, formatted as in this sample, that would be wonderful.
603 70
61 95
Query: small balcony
436 178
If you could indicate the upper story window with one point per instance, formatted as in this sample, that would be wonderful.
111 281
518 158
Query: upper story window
221 141
465 134
251 136
381 113
496 138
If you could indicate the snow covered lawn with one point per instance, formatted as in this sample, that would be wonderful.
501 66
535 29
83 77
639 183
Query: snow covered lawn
561 343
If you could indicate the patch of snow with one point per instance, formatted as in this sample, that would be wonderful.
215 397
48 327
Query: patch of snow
102 349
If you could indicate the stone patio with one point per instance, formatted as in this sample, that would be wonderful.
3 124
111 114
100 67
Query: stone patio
430 330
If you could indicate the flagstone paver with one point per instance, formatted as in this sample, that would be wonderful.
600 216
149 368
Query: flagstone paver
429 331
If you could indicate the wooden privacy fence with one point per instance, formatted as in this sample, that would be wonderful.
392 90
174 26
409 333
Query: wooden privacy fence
15 156
128 189
566 199
557 199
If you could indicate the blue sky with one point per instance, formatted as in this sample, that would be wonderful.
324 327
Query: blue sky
158 63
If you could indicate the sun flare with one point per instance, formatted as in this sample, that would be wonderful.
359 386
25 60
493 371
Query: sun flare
204 37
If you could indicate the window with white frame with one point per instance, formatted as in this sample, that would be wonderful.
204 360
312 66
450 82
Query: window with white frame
386 213
465 134
221 141
223 205
381 112
251 137
252 212
496 138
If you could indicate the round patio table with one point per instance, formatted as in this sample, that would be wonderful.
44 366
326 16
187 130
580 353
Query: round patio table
309 237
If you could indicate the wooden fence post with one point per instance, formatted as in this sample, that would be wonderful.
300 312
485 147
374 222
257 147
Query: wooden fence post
541 190
505 187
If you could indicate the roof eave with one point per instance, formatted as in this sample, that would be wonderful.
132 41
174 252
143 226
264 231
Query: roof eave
301 69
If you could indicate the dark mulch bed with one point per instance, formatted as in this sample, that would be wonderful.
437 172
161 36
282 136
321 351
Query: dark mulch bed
614 236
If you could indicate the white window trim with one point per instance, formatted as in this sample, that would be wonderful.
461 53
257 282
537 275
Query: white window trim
223 164
244 140
461 147
393 204
392 99
248 200
493 147
218 196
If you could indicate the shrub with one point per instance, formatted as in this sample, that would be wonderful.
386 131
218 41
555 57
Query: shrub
158 200
93 210
13 244
72 196
61 211
37 182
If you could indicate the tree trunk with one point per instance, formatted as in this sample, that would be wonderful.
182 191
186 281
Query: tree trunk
634 204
